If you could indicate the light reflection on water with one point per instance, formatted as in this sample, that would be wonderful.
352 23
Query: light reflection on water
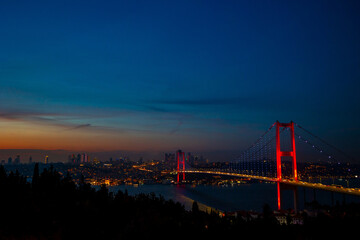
232 198
223 198
174 192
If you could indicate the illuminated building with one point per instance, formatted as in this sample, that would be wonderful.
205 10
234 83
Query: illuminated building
84 158
96 160
46 159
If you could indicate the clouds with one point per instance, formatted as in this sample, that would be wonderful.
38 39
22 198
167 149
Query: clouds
179 73
204 101
60 120
80 126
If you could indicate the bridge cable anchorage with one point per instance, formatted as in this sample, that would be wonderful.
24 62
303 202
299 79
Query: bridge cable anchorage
323 141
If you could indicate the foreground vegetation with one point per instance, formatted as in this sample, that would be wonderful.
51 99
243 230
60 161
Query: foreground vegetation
54 207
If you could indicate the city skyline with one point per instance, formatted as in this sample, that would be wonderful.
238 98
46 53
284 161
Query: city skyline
200 76
55 156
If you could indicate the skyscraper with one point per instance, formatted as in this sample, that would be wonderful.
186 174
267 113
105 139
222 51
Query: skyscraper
17 159
46 159
84 158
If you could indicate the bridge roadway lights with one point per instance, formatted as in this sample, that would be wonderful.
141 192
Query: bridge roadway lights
284 184
180 156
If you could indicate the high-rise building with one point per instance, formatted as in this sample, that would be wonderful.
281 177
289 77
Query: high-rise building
30 159
170 160
84 158
190 158
17 159
46 159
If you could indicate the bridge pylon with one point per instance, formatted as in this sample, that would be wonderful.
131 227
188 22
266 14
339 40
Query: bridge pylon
280 153
180 157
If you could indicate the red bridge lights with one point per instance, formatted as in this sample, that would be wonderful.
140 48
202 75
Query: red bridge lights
280 153
180 157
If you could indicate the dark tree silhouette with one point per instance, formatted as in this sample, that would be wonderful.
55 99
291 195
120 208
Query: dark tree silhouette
195 207
35 178
54 207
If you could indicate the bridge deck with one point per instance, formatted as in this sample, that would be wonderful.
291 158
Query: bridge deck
351 191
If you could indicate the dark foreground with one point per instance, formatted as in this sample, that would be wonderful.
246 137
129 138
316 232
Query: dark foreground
54 207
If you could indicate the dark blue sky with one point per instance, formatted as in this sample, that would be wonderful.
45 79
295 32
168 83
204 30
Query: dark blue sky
163 75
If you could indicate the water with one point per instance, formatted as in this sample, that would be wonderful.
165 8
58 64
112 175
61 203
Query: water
224 198
240 197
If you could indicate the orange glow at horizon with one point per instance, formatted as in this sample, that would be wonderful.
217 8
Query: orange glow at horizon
28 135
24 135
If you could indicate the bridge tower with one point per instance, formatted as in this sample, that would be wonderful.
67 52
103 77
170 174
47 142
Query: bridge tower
180 157
280 153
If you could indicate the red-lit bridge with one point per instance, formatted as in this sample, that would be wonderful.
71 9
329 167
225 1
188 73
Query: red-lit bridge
263 161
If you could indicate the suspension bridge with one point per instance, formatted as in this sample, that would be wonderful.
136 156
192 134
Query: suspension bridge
273 158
